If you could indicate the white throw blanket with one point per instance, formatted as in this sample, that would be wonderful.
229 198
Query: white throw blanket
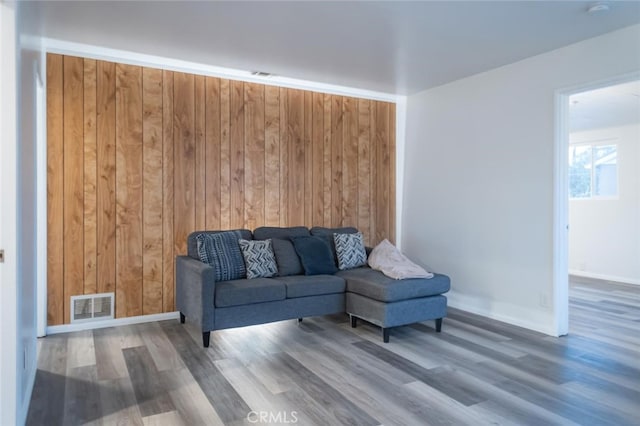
386 258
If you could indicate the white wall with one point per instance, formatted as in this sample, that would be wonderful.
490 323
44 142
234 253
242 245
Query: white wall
604 235
479 177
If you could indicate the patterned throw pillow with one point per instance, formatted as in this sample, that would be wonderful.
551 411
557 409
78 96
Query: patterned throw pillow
222 251
259 258
350 250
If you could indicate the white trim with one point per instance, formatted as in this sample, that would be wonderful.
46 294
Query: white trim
599 141
561 216
561 196
515 315
68 328
41 205
401 124
605 277
132 58
10 405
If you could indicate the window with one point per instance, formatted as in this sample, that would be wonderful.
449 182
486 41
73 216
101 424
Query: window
593 171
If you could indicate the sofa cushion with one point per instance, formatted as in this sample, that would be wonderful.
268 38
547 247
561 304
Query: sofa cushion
246 291
350 250
265 232
192 243
315 255
304 285
222 251
286 258
376 285
258 258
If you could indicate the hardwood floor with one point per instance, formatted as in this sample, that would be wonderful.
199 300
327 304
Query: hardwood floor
321 371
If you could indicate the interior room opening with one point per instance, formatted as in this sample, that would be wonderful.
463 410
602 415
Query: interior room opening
604 201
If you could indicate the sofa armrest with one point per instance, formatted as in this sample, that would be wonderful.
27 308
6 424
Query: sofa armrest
195 290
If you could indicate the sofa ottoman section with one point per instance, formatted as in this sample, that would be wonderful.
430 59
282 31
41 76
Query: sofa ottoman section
394 314
387 303
376 285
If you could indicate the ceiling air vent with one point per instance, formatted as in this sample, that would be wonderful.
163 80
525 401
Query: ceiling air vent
92 307
261 74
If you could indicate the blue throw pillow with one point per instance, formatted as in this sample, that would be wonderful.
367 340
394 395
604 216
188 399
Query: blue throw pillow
222 251
327 234
315 255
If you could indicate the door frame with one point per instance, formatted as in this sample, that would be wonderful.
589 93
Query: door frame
561 195
8 214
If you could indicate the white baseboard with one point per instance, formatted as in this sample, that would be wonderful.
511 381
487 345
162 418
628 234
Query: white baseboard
606 277
67 328
540 321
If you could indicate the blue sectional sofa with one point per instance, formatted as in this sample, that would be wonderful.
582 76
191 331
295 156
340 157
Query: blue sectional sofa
361 292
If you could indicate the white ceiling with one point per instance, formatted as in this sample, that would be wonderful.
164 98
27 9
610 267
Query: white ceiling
611 106
392 47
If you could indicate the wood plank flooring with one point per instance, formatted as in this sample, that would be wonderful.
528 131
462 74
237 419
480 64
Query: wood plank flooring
323 372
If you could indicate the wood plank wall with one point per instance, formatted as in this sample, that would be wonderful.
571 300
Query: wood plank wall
137 158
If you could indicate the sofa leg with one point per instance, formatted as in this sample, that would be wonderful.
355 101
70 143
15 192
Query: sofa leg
182 318
205 338
439 325
354 321
299 319
385 335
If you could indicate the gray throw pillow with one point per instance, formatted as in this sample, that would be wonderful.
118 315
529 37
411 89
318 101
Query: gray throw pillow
350 250
286 258
222 252
259 258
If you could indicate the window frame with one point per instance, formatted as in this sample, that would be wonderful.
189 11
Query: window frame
593 144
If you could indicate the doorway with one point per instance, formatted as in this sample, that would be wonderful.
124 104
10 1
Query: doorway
586 170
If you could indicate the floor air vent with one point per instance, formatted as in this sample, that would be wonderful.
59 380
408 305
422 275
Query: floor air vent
92 307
